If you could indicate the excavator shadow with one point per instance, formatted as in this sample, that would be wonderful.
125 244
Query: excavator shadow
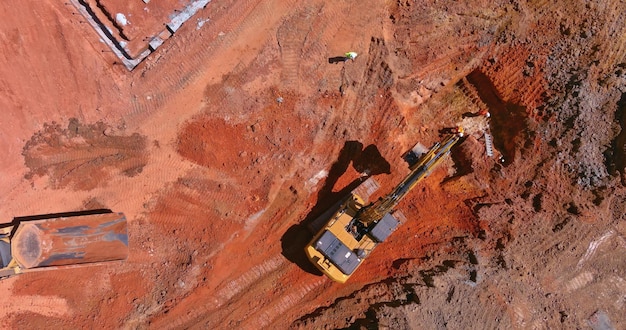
337 59
462 163
367 161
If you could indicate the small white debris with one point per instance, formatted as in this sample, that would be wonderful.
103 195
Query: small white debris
351 55
121 19
316 178
201 23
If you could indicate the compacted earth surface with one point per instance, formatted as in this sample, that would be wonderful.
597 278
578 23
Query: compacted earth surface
244 125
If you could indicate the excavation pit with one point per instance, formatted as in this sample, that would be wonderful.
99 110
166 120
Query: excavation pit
507 120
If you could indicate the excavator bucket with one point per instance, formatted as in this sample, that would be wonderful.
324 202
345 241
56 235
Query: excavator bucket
364 190
412 156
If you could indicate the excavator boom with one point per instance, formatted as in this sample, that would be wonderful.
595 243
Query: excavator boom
419 170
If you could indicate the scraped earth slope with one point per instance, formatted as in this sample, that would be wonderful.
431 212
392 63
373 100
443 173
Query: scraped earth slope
219 180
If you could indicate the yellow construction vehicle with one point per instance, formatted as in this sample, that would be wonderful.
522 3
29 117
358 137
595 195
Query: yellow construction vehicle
61 240
355 229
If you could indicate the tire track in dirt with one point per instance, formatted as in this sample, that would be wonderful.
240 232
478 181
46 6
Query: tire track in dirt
320 40
388 124
588 270
217 303
518 76
350 104
506 74
520 311
266 316
247 280
200 298
193 192
334 122
323 31
235 287
258 14
242 16
267 299
565 243
42 305
291 37
165 87
447 47
249 291
12 306
489 313
440 64
190 211
371 84
578 282
560 240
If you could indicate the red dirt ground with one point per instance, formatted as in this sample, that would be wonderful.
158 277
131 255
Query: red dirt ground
218 179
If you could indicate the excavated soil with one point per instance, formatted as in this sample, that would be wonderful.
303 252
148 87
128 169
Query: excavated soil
226 142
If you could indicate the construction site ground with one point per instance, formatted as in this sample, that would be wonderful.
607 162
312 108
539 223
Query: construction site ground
229 139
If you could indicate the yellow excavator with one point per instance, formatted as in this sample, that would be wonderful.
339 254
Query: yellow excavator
355 229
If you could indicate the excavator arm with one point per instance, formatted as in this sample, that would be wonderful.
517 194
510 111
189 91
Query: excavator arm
375 211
